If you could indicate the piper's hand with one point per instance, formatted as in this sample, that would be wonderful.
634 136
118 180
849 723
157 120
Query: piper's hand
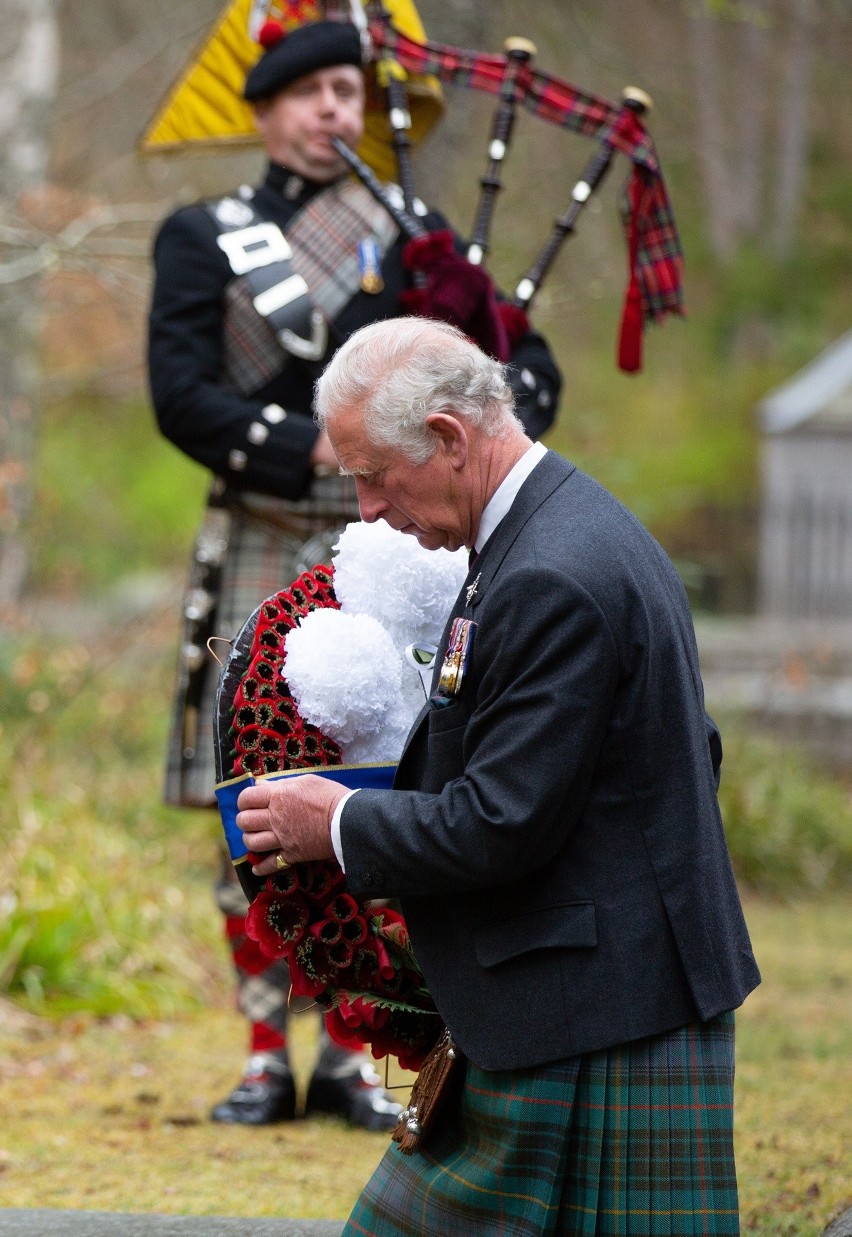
291 818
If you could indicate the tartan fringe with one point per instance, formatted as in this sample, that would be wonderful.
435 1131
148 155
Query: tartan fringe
659 253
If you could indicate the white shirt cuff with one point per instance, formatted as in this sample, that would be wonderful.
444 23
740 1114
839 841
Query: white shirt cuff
335 827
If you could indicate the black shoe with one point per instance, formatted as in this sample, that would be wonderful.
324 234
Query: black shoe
261 1098
358 1097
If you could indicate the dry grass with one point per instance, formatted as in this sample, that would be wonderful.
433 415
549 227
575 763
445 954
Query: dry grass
794 1070
112 1115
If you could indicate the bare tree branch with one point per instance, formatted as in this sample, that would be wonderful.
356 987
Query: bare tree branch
43 252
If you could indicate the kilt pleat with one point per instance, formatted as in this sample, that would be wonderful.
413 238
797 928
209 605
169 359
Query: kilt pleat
634 1141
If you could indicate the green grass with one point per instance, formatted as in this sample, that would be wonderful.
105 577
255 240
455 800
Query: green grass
794 1069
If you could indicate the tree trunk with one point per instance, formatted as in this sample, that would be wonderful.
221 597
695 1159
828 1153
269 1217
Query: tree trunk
793 126
28 70
751 122
463 23
713 156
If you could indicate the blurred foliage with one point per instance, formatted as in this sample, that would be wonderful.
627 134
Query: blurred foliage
789 827
105 898
112 497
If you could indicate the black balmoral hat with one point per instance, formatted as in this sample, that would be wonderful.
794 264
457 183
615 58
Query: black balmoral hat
318 45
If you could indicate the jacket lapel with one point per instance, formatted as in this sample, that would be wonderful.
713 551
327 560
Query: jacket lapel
551 472
546 477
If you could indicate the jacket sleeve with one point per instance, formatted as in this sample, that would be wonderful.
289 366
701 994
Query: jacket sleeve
714 741
240 438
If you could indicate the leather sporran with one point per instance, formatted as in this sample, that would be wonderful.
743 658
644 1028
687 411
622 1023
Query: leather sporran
429 1095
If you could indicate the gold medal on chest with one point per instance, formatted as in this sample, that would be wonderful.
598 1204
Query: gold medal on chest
456 657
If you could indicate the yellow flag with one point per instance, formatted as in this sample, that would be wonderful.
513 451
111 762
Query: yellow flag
205 107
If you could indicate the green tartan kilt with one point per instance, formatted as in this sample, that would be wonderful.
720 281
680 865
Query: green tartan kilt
633 1141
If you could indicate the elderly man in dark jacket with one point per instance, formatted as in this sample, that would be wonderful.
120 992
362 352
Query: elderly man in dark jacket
553 834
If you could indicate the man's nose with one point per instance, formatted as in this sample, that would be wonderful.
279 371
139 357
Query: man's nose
370 504
328 100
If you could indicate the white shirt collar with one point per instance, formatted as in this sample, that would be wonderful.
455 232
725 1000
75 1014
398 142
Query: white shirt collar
501 500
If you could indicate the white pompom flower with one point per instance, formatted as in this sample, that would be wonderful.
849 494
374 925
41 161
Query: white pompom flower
345 676
388 575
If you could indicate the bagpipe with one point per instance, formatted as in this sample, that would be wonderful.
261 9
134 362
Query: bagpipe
405 73
655 259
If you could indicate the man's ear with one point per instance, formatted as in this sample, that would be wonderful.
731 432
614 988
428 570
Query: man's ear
452 437
260 110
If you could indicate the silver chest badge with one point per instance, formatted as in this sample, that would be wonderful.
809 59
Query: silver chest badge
233 213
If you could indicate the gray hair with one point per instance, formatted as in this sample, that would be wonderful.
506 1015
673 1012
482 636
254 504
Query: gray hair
400 371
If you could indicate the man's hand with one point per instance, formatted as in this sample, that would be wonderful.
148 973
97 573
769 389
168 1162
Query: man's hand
291 817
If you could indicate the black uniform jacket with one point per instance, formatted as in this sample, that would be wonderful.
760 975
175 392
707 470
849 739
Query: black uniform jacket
555 840
207 419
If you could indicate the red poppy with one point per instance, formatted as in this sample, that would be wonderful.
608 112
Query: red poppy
327 931
335 946
341 954
322 880
277 923
386 968
341 1033
343 907
355 930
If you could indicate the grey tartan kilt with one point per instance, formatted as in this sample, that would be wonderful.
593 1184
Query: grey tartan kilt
270 542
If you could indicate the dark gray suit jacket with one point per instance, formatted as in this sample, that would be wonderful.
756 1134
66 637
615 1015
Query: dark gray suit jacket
555 839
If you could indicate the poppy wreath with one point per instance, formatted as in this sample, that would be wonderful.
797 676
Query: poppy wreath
354 959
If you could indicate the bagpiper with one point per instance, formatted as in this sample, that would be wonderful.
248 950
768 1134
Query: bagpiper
254 291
